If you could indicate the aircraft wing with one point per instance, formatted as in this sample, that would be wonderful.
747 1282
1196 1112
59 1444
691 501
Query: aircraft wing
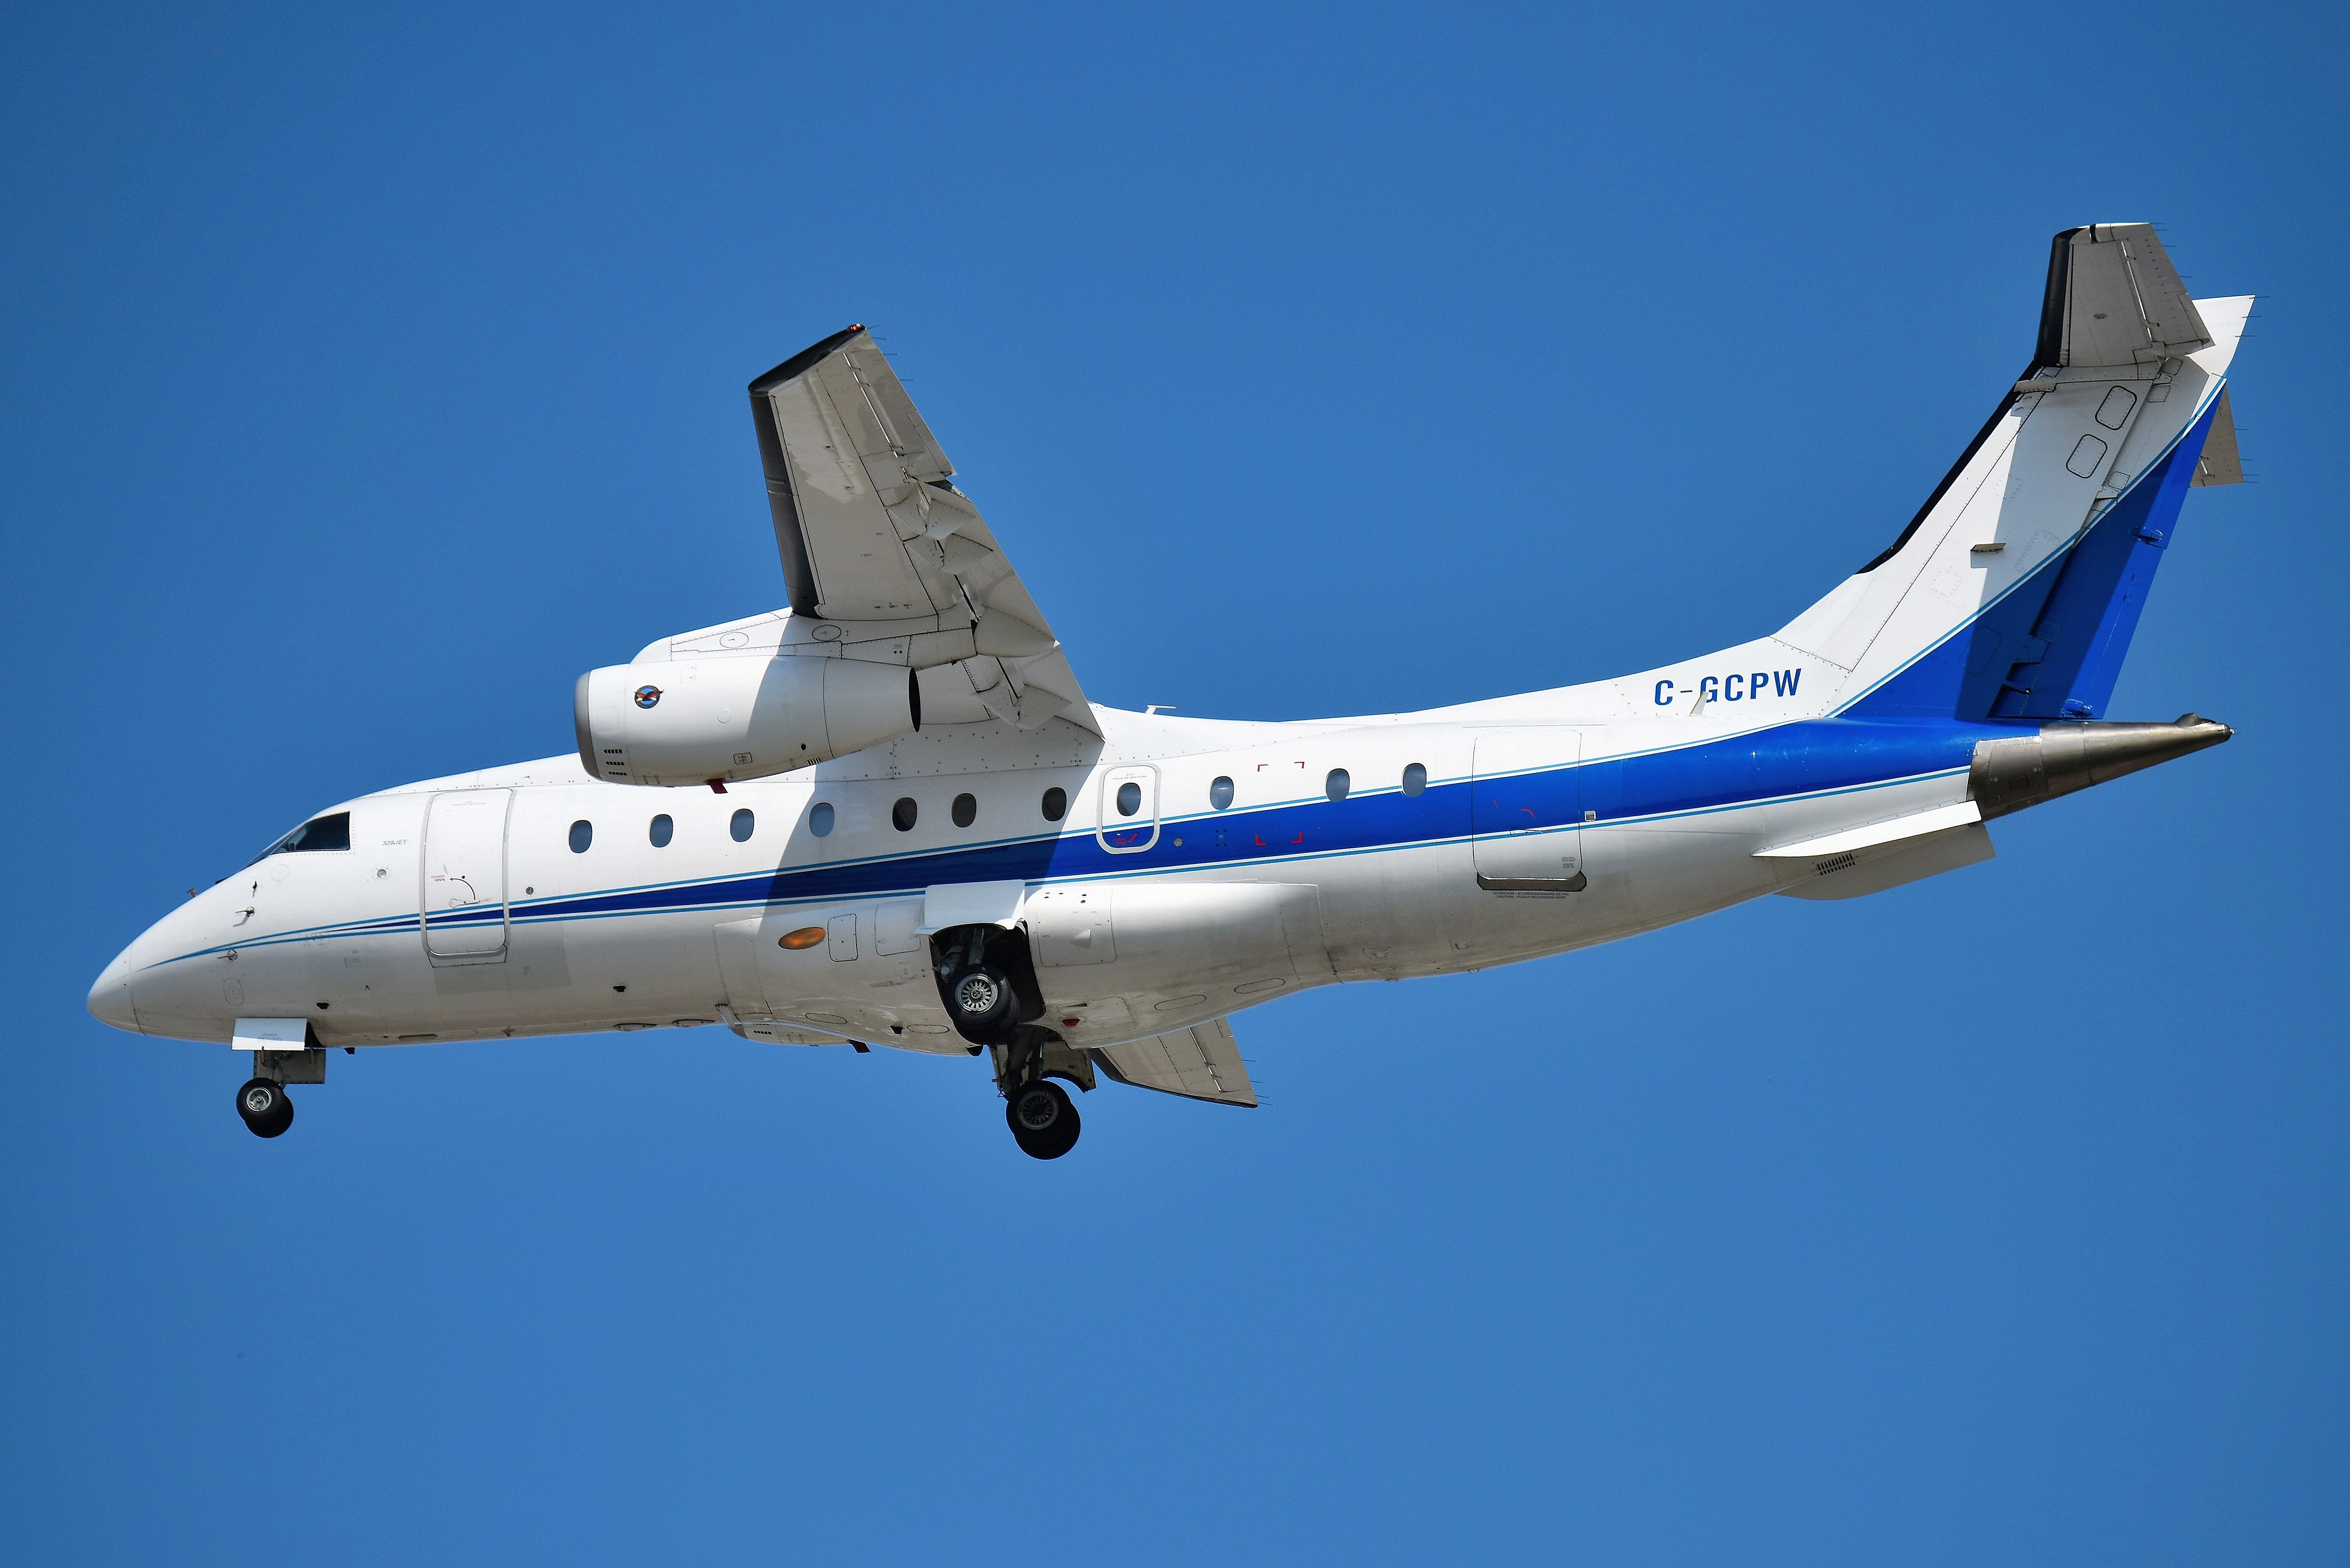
1202 1063
874 535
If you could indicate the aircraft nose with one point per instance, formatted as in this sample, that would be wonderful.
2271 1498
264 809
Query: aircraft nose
110 998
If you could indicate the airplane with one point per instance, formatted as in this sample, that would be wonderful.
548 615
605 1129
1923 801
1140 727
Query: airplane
886 814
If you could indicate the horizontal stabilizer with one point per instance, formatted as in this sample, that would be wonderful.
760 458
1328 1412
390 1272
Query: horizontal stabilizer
2114 298
1875 833
1202 1063
2220 463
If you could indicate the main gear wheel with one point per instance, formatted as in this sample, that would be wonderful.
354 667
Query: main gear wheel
1043 1120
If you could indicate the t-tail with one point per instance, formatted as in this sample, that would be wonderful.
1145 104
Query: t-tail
2011 597
1991 633
2013 593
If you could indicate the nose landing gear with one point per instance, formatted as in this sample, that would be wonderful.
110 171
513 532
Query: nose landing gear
267 1108
262 1102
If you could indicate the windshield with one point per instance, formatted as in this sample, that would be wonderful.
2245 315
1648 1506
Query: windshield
319 833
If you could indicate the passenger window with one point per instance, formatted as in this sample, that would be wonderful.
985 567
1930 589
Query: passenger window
582 834
820 819
1337 786
965 810
318 833
1220 794
663 830
1057 804
742 825
1129 798
901 815
1415 779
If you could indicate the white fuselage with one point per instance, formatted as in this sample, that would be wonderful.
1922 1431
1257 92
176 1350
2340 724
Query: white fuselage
1209 908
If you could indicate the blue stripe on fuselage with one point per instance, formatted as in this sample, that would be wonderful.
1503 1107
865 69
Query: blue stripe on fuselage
1785 761
1789 761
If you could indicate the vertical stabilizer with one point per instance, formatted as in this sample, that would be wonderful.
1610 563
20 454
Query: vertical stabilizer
2015 588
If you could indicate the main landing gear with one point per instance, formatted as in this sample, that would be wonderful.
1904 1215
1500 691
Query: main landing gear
1043 1119
989 985
985 1004
265 1106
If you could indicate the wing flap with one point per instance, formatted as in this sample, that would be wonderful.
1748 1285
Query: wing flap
1201 1062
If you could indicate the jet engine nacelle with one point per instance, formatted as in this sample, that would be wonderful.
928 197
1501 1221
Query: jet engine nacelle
688 723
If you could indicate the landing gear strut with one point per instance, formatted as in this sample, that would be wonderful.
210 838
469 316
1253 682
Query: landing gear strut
1043 1120
986 980
989 985
265 1107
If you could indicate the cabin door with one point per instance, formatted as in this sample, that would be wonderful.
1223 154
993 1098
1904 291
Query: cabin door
1525 810
464 896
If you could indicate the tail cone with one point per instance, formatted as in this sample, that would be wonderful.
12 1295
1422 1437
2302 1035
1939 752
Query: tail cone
2072 754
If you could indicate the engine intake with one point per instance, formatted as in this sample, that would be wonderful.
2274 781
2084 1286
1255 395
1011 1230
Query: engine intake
688 723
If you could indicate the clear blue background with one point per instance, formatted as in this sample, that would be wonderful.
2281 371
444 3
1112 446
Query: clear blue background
372 372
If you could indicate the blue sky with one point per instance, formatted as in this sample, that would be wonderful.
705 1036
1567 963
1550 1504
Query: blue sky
374 373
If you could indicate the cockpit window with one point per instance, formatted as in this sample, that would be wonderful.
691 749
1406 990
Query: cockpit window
318 833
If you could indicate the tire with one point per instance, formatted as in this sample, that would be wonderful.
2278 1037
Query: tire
1063 1138
1043 1121
983 1001
264 1107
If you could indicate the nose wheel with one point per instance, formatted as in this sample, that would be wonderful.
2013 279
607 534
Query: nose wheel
1043 1120
265 1107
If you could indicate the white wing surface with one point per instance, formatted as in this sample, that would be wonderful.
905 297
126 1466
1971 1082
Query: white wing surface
876 540
1202 1063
